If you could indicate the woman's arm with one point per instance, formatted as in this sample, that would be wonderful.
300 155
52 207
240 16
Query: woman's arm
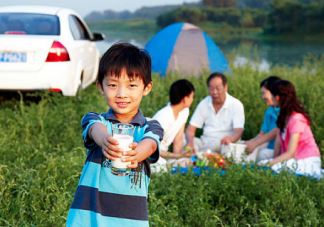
290 153
277 146
261 139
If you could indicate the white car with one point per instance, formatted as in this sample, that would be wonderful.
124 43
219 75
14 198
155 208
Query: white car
46 48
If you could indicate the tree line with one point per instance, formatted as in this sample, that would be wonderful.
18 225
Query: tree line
274 16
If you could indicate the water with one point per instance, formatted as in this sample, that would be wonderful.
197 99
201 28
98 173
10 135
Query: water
278 52
260 54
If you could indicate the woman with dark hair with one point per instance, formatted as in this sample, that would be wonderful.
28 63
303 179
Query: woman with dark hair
262 146
295 147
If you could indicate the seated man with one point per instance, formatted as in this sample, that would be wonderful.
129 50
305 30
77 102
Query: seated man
173 118
220 115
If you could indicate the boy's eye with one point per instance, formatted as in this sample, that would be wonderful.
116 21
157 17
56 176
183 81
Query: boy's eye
133 85
111 85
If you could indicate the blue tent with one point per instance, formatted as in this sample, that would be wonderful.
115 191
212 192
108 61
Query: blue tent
185 48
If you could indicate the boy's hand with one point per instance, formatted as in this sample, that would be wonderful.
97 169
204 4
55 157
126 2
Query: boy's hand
131 156
110 148
109 145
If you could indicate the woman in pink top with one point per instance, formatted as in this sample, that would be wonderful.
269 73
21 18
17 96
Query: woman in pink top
295 147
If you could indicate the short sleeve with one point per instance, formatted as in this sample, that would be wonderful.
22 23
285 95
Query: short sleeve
238 115
198 118
87 121
265 123
154 131
297 123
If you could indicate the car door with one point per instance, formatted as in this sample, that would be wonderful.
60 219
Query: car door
87 53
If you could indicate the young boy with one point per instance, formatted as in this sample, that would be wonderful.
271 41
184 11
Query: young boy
102 198
173 118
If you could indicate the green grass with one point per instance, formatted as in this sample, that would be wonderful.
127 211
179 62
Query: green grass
41 157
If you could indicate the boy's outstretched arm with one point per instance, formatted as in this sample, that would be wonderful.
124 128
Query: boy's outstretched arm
98 133
148 147
141 152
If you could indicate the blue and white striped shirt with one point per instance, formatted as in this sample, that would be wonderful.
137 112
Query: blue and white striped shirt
104 199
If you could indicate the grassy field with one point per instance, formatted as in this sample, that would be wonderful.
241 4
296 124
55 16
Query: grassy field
41 156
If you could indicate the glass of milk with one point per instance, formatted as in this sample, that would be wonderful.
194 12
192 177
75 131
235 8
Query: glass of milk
123 133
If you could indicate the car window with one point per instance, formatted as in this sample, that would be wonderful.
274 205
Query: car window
78 30
29 24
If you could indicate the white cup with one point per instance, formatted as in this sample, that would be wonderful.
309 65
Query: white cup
123 133
234 151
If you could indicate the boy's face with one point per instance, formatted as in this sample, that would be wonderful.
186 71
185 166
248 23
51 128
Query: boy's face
189 99
123 94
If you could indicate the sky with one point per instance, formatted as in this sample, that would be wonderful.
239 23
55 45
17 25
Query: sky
83 7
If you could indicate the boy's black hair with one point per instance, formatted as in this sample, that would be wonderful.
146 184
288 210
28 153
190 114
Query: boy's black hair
219 75
134 60
180 89
269 82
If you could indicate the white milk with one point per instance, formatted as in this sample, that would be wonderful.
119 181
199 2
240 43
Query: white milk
124 142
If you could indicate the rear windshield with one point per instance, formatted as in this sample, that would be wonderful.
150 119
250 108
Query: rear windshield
29 24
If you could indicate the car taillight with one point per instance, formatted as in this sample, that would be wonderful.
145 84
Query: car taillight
57 90
57 53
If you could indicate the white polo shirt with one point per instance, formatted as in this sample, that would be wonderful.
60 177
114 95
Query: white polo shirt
170 124
217 125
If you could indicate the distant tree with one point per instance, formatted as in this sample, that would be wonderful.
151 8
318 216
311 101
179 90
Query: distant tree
230 16
153 12
259 4
247 20
142 13
113 15
296 16
183 14
94 16
219 3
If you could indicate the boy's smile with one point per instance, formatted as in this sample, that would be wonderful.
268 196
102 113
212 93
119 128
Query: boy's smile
122 104
124 94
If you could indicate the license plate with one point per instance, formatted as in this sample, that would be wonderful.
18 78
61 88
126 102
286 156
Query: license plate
12 57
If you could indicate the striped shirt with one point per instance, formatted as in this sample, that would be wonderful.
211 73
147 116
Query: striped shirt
104 199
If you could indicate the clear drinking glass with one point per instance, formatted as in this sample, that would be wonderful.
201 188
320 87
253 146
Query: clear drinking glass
123 133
